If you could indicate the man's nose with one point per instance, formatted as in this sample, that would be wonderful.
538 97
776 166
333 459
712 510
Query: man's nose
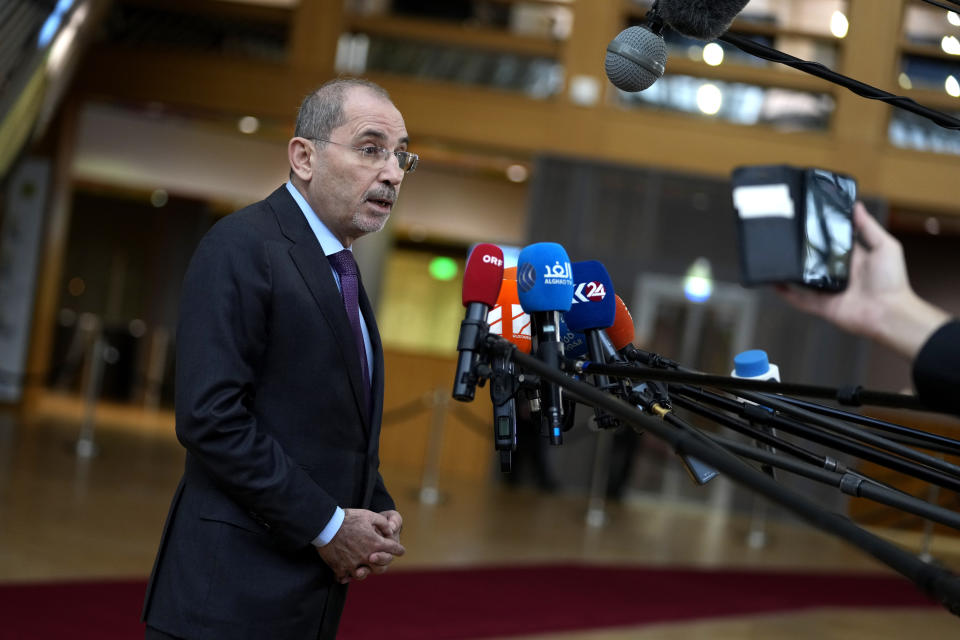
391 172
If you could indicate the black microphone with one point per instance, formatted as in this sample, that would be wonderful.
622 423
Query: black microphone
507 320
700 19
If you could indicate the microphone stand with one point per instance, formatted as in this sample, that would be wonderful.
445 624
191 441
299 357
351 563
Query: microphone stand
850 483
821 469
853 396
940 584
896 432
945 477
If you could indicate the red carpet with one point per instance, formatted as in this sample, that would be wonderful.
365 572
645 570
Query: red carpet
477 603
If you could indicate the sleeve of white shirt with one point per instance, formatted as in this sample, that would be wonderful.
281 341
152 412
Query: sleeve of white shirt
333 526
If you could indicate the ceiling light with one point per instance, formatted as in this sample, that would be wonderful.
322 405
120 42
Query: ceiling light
248 124
709 99
952 86
713 54
839 24
950 45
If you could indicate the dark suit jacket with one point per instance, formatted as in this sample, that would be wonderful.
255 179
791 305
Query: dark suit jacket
936 369
270 409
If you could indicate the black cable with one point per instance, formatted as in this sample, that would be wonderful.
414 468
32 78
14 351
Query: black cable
853 396
932 441
841 443
849 483
938 583
857 87
944 6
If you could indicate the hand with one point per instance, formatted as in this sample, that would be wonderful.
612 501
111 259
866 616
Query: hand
379 560
359 548
878 301
396 524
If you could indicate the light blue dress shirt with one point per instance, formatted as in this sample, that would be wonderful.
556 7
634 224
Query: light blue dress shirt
330 245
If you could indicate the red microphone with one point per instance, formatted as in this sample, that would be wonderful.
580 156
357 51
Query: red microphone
481 286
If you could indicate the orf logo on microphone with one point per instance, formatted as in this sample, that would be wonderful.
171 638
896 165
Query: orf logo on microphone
494 260
526 276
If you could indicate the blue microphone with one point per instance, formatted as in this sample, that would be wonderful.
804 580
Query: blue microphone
594 304
545 289
592 310
574 342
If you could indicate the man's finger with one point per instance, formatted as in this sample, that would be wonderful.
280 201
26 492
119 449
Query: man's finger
391 546
380 558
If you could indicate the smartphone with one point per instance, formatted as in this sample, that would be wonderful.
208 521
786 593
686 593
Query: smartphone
794 225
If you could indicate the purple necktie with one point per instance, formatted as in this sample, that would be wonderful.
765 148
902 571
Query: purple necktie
346 267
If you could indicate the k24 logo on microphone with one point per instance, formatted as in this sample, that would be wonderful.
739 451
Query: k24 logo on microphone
589 292
520 321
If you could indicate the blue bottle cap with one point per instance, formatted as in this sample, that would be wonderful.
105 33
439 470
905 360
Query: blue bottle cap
752 363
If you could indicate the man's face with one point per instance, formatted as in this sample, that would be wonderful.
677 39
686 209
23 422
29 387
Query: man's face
352 193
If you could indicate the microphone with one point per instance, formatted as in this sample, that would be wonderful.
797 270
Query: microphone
574 342
700 19
481 286
592 310
545 289
507 320
593 306
637 57
621 334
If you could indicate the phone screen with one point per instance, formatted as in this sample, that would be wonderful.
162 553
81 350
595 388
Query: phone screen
829 229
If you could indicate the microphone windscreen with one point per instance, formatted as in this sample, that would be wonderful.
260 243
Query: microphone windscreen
544 278
621 332
507 318
594 305
483 275
510 273
636 59
574 343
700 19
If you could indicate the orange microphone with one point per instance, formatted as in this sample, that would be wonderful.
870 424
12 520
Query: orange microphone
507 318
621 333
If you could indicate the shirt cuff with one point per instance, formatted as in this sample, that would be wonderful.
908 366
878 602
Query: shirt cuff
333 526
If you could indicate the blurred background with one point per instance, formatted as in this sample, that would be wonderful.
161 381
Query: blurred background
128 127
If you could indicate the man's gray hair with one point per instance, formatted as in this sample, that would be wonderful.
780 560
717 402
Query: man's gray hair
322 111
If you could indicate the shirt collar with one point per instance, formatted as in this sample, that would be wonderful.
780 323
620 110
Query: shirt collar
325 237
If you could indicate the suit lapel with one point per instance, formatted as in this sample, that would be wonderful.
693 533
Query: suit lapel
377 375
317 274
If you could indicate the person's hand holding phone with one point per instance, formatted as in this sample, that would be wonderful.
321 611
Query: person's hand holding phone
878 302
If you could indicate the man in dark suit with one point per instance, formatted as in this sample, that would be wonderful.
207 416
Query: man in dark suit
280 393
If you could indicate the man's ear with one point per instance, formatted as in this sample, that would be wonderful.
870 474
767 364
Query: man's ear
302 157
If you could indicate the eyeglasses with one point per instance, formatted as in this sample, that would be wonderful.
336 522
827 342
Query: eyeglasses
379 156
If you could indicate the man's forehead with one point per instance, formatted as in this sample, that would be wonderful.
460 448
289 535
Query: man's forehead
378 119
